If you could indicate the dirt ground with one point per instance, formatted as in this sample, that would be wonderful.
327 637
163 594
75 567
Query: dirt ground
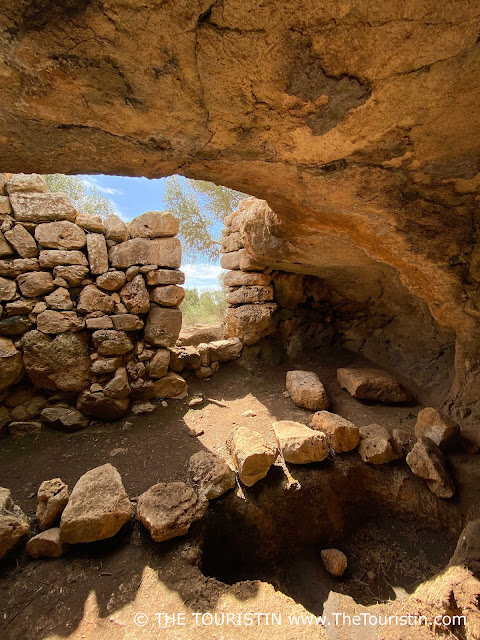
96 590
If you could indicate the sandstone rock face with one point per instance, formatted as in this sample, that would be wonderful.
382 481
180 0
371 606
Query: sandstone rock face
90 222
52 499
431 424
168 510
251 454
289 290
211 474
168 296
163 326
22 242
427 461
61 363
163 252
335 561
42 207
47 544
98 507
14 524
153 224
251 322
372 384
64 418
299 444
353 171
60 235
306 390
342 434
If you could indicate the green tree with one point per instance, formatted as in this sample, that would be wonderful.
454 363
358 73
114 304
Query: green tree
201 207
85 198
207 307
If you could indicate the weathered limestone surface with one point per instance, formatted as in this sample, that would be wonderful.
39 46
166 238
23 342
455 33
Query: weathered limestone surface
342 434
306 390
300 444
211 474
251 454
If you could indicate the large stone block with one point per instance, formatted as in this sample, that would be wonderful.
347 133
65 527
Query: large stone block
98 507
111 342
300 444
163 326
246 278
163 252
250 322
427 461
170 386
92 299
22 241
153 224
115 229
211 474
13 268
168 510
225 350
368 383
60 235
306 390
59 321
135 296
431 424
51 258
35 283
251 454
26 183
289 290
98 405
97 253
8 289
52 499
42 207
165 277
342 434
250 295
61 363
168 296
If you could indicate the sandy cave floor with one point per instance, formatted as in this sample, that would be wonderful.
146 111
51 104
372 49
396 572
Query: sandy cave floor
95 591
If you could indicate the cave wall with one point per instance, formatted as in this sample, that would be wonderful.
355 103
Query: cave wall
356 121
306 308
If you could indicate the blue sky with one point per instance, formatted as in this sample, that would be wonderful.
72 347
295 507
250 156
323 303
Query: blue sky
132 197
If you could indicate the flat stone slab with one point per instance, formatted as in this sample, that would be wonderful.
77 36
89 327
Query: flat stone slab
300 444
98 507
306 390
372 384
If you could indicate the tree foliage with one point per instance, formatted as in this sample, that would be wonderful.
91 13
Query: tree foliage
207 307
201 207
85 198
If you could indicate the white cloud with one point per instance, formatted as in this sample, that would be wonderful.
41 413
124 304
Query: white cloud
109 191
202 276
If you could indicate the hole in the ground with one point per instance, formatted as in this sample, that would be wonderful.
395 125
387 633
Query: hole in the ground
276 536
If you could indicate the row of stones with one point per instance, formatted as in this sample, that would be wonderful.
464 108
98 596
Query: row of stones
62 272
250 292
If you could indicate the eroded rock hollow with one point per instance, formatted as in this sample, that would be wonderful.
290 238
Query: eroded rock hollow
356 122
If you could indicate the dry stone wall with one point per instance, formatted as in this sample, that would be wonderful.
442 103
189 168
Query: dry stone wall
89 311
